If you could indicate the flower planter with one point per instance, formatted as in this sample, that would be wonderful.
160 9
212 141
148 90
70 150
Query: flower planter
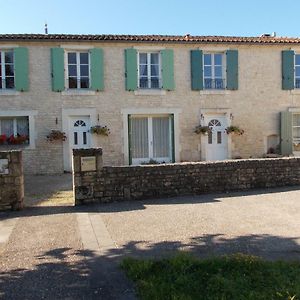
100 130
3 139
17 140
234 130
205 130
56 135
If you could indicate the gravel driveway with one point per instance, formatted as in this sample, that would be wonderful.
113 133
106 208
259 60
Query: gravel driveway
262 222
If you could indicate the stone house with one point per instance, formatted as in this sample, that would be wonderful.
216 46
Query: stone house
151 91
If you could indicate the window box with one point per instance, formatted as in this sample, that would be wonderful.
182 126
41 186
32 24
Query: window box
3 139
18 139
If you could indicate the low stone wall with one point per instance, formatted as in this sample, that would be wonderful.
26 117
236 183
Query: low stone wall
108 184
11 180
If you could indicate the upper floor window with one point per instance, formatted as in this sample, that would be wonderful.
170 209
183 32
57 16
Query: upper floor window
7 74
213 71
297 71
14 130
149 74
78 70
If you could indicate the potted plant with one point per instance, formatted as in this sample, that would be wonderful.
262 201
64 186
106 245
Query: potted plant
202 130
56 135
235 130
3 139
100 130
17 139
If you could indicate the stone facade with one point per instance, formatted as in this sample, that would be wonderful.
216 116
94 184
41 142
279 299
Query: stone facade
255 106
108 184
11 181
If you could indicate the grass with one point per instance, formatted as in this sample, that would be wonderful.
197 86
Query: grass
229 277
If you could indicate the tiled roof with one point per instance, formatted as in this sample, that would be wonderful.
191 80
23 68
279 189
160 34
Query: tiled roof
150 38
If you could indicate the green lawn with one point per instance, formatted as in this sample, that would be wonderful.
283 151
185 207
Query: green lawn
228 277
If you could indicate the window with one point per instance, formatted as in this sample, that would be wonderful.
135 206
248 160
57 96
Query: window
78 70
149 70
296 131
7 75
14 130
297 71
213 71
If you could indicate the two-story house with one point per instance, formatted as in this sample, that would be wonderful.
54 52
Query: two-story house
151 91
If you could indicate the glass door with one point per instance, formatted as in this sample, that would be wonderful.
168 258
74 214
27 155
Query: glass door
150 139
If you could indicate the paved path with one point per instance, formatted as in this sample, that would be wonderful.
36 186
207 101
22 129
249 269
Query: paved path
56 251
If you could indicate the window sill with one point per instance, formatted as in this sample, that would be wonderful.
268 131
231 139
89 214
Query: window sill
215 92
5 92
78 92
145 92
16 147
295 91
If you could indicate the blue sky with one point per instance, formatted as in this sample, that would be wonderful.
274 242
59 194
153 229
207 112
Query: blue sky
210 17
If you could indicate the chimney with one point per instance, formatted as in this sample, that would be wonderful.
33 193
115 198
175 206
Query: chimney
187 36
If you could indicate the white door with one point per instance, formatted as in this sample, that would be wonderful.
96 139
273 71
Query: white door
150 138
217 139
79 136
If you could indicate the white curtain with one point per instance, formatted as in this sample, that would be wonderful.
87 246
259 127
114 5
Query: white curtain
7 127
161 137
139 138
22 126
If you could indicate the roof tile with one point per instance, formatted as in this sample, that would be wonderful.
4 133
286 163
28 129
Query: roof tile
151 38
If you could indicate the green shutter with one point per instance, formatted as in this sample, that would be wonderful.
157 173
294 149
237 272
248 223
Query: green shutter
197 70
97 80
58 69
286 141
287 70
131 69
172 138
129 140
167 58
21 69
232 69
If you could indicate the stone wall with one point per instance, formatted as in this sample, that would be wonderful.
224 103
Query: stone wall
108 184
11 180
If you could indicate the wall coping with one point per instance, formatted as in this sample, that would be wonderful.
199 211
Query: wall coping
90 151
201 163
9 151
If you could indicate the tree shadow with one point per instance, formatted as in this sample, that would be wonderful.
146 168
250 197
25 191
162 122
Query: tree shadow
132 205
98 275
